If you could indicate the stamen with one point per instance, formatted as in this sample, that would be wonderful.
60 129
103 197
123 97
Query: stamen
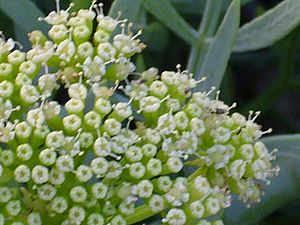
165 98
130 25
178 67
137 34
92 5
201 80
78 134
130 100
212 89
232 106
129 121
101 8
70 6
123 25
267 131
116 86
57 6
218 95
95 7
119 15
250 114
256 115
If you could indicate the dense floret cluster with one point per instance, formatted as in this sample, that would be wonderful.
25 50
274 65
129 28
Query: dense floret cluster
98 160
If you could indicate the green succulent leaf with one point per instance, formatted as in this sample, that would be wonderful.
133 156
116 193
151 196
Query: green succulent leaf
23 13
270 27
167 14
216 59
281 191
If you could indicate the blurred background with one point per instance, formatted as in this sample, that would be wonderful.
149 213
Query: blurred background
267 80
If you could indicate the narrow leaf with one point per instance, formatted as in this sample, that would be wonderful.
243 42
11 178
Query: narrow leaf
197 7
270 27
167 14
24 13
129 9
218 54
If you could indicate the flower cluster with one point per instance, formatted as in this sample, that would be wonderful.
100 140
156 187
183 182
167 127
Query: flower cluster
96 160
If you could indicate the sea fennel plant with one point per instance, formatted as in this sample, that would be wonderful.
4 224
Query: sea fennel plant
99 161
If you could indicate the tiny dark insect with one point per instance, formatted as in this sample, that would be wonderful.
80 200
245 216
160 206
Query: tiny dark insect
219 111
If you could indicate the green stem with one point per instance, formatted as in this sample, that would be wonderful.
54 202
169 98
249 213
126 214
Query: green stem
142 212
207 29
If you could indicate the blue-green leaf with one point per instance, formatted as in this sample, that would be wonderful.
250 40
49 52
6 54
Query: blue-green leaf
270 27
167 14
129 9
197 7
218 54
23 13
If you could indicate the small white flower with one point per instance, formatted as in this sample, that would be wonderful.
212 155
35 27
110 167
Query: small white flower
5 194
24 152
197 209
95 219
99 166
35 117
22 174
40 174
77 214
175 217
66 50
6 89
144 189
34 218
156 203
65 163
46 192
99 190
13 207
58 204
